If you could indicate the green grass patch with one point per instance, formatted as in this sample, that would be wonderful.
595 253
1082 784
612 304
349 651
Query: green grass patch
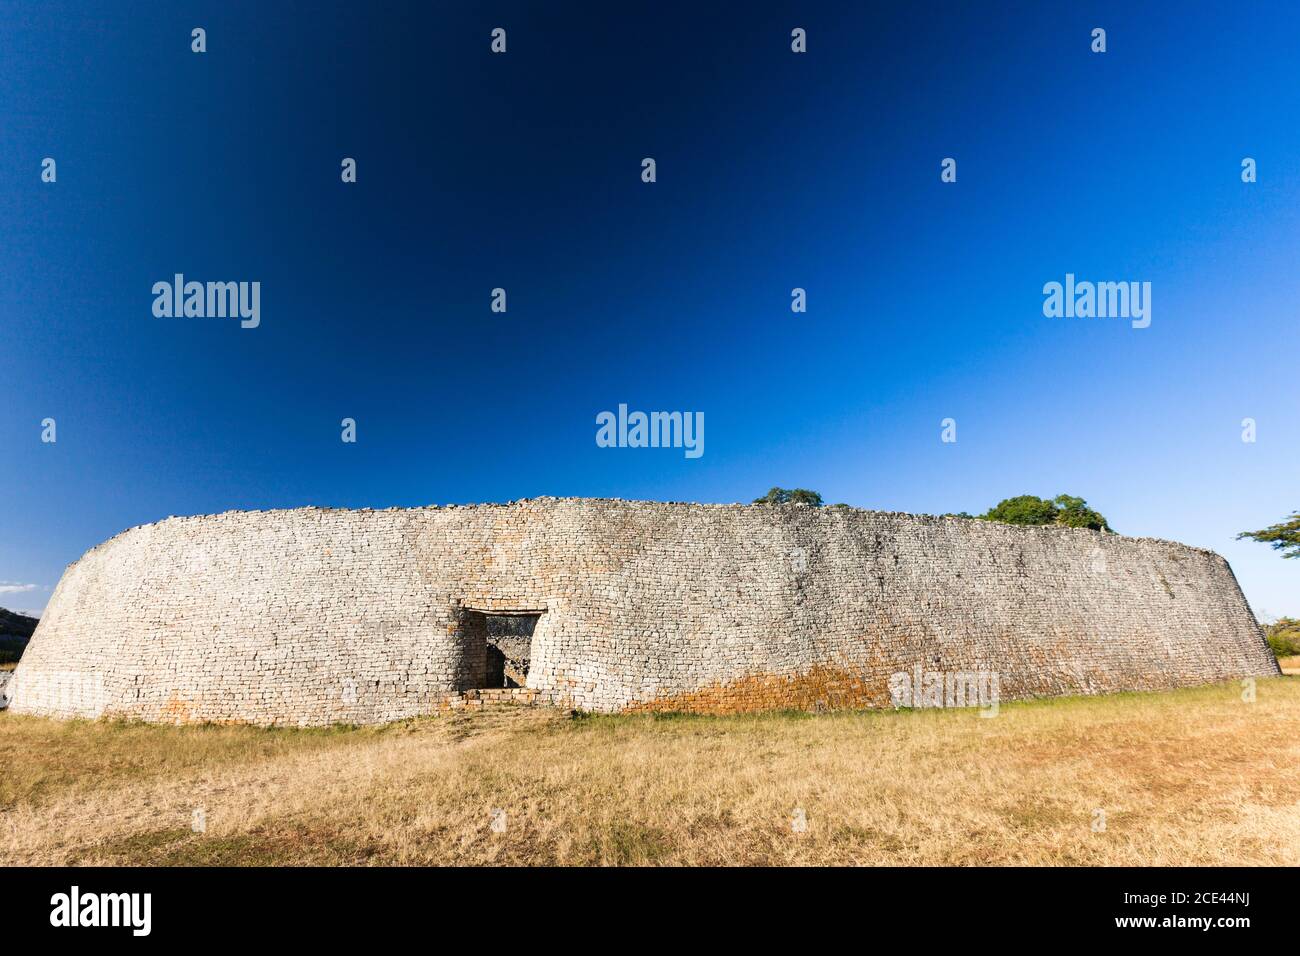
300 845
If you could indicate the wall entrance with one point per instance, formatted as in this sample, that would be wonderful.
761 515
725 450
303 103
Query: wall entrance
498 646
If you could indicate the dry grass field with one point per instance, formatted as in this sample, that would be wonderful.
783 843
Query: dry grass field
1188 777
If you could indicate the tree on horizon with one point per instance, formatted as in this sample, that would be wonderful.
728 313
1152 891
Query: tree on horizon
1283 536
790 496
1067 510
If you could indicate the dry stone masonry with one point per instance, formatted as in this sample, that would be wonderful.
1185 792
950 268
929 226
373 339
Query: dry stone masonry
314 616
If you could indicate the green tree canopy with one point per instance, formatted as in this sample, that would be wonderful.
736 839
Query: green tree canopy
1284 636
790 496
1022 509
1284 536
1075 513
1064 510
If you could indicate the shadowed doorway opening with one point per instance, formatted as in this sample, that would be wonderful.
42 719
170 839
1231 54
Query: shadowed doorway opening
505 641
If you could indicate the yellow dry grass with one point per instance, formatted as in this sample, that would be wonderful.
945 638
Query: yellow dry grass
1188 777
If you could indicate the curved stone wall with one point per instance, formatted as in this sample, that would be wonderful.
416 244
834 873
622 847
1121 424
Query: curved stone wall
313 616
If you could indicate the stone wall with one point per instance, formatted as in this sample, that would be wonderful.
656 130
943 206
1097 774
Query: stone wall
314 616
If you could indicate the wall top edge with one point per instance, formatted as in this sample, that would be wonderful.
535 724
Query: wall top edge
785 510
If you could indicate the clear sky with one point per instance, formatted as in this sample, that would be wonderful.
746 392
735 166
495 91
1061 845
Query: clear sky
523 171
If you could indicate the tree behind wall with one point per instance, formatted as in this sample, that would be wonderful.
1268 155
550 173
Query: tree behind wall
1284 536
1064 510
790 496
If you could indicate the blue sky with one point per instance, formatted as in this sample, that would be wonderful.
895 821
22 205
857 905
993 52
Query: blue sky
522 171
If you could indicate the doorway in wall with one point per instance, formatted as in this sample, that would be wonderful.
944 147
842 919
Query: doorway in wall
507 642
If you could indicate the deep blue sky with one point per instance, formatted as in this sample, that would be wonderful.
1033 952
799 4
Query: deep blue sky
775 170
